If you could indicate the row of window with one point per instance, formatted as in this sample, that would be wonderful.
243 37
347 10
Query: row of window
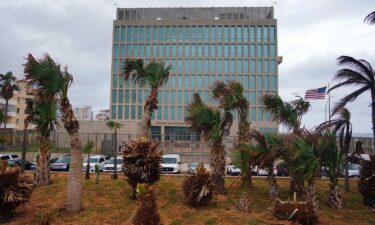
215 66
175 97
193 50
177 113
186 34
205 82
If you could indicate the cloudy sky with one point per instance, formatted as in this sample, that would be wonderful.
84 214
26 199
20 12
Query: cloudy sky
77 33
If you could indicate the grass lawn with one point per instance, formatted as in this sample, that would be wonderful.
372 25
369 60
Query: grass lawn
108 203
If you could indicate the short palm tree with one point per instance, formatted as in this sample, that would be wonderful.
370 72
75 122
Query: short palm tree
3 117
358 73
304 160
231 97
147 211
333 158
198 188
15 190
114 126
342 125
44 115
46 77
266 150
212 123
141 162
7 86
370 18
87 149
290 115
153 75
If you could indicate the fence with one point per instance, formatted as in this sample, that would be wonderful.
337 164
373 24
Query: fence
190 147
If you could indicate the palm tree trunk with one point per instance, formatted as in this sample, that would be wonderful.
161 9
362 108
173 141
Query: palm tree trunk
247 179
273 187
346 166
334 198
42 172
294 184
24 150
243 136
75 178
311 196
218 166
115 156
87 177
150 106
6 112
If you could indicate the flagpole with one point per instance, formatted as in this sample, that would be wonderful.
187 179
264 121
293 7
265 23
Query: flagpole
329 104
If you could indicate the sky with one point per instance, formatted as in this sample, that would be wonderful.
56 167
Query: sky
312 34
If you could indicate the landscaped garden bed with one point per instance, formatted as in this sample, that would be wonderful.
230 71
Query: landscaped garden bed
109 203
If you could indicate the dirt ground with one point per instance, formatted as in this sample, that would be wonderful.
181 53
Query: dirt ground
109 203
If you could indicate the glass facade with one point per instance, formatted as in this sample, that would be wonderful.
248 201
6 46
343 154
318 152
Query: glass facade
199 56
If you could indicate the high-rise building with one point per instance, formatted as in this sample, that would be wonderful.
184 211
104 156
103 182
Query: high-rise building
84 113
203 45
103 115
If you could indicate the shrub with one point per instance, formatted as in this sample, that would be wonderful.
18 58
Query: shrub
366 184
147 211
198 188
14 190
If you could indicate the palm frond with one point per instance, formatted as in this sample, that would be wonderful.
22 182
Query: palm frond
370 18
349 98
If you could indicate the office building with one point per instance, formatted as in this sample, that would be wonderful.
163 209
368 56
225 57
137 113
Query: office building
84 113
203 45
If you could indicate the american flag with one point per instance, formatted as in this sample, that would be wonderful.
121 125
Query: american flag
318 93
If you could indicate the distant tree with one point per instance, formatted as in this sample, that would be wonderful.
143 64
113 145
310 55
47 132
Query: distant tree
87 148
7 87
114 126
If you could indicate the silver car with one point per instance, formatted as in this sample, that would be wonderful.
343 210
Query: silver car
62 164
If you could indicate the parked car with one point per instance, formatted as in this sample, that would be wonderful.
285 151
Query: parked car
94 160
171 163
259 171
354 170
52 160
282 170
8 156
192 167
18 162
109 165
61 164
233 170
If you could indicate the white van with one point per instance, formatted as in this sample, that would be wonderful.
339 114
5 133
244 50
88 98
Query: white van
171 163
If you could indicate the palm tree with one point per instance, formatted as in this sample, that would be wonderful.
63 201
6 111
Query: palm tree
44 115
153 75
333 158
212 123
287 113
359 73
3 117
370 18
265 152
342 125
45 76
305 162
290 115
87 149
231 98
7 86
114 126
